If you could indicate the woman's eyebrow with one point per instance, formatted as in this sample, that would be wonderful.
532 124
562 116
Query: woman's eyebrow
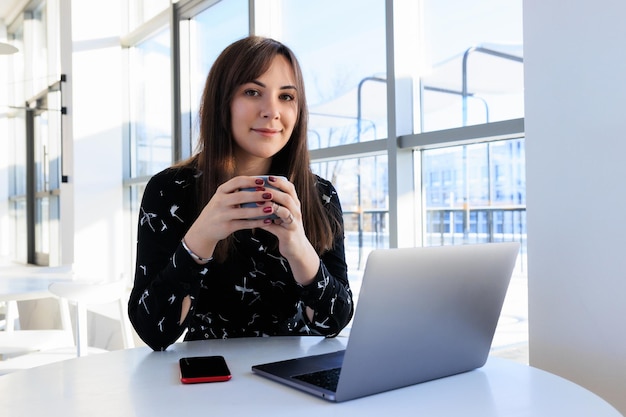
284 87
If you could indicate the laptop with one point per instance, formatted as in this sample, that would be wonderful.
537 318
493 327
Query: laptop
422 314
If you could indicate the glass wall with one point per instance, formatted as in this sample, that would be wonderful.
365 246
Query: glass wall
203 32
343 65
473 70
344 71
362 187
470 72
34 124
151 105
17 184
466 178
475 193
474 76
203 36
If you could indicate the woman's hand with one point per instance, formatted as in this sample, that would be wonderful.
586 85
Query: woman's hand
223 214
288 228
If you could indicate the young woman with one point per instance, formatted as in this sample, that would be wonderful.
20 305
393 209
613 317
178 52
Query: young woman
209 261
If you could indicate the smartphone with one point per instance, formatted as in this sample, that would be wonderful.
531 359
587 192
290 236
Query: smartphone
198 369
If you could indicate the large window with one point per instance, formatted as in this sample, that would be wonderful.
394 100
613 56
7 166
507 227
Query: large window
361 184
414 104
473 69
343 66
474 76
34 115
467 71
416 111
203 37
475 193
344 71
151 104
150 134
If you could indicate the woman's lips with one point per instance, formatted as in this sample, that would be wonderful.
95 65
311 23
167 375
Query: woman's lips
267 132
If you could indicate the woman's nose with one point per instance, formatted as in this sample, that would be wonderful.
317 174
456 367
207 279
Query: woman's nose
270 109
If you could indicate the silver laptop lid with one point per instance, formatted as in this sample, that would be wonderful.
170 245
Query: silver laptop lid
424 313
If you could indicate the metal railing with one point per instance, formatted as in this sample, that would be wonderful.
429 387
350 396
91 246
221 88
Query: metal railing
475 225
368 229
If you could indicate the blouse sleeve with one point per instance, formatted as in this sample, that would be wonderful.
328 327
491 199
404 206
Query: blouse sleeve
165 273
329 295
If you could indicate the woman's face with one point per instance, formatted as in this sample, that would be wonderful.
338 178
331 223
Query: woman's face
264 112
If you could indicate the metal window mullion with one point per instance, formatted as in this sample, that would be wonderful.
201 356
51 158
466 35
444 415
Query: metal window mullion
506 129
177 146
402 213
391 125
30 186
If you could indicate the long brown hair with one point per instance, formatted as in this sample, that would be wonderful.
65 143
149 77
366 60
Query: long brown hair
241 62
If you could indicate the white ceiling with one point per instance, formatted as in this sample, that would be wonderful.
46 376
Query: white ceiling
9 9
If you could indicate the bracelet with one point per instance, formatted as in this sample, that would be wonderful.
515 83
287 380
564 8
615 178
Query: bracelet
193 255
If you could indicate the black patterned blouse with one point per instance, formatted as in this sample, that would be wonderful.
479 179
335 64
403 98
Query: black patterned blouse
253 293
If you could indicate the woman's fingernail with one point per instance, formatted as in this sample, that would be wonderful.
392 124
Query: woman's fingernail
267 196
267 209
267 221
272 179
260 188
259 181
260 203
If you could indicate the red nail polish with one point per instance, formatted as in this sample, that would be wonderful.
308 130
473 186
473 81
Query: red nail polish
267 209
260 188
259 181
267 221
272 179
267 196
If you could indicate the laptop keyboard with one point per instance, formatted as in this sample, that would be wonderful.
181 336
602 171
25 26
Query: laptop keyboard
327 379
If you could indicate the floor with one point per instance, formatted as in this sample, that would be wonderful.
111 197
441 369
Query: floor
511 338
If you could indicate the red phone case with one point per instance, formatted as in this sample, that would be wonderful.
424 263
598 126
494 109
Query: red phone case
200 379
201 369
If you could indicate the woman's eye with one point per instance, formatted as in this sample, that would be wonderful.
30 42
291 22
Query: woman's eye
287 97
251 93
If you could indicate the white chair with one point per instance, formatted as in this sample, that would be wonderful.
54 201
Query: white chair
80 294
84 294
18 342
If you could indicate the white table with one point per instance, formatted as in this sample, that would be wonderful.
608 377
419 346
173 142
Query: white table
139 382
23 286
29 287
